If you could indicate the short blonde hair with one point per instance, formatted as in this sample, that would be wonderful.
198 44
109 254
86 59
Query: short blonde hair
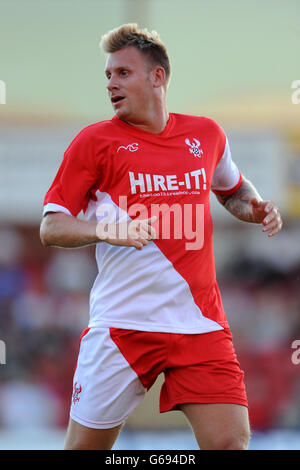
148 43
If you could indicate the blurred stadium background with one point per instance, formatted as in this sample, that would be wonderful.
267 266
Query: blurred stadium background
233 61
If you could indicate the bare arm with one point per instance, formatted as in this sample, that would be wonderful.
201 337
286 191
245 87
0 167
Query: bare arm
65 231
247 205
238 203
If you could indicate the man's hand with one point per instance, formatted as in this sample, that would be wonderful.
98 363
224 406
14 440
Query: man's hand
247 205
136 233
266 213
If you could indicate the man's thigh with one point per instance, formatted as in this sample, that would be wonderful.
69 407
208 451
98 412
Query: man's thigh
219 426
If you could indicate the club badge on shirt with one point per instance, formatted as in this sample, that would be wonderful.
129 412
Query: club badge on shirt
194 147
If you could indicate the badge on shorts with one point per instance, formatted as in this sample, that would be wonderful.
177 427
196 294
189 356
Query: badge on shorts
77 389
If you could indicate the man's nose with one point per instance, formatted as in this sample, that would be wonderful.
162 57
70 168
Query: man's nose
112 84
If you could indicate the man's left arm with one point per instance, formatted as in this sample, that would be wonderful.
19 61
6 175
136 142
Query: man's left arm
247 205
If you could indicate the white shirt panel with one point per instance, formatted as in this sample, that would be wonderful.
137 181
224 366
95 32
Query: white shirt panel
226 174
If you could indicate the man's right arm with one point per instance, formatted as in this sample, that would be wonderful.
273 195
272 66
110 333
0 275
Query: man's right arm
66 231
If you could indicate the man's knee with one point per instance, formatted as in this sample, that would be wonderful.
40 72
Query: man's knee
236 443
228 441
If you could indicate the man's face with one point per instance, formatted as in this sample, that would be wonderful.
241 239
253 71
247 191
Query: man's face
129 84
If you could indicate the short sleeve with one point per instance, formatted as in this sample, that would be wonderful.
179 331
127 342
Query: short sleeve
77 175
227 177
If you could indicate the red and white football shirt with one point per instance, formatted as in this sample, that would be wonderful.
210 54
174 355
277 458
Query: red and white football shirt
114 171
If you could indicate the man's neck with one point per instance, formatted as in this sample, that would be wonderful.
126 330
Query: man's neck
155 124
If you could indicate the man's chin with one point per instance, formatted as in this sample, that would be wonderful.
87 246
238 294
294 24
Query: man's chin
121 114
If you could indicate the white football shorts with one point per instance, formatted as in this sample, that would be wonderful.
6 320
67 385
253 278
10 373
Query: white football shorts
105 388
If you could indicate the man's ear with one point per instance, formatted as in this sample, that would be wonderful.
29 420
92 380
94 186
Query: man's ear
158 76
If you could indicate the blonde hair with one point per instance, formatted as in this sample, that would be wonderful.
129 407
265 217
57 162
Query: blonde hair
148 43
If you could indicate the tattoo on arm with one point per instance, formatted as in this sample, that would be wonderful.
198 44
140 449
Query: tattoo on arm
238 203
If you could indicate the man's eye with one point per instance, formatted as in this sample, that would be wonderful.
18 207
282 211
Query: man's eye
123 72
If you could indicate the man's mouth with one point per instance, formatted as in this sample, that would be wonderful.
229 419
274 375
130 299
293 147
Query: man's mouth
116 99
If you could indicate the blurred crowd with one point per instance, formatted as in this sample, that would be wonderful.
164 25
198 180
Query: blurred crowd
44 302
262 303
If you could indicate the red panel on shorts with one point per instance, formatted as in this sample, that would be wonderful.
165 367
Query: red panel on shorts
84 332
200 368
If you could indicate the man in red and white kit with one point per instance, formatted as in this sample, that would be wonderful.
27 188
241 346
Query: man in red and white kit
143 180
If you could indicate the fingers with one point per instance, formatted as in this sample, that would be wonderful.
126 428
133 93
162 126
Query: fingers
259 209
270 206
266 213
138 244
272 222
150 228
152 219
262 206
141 232
146 228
